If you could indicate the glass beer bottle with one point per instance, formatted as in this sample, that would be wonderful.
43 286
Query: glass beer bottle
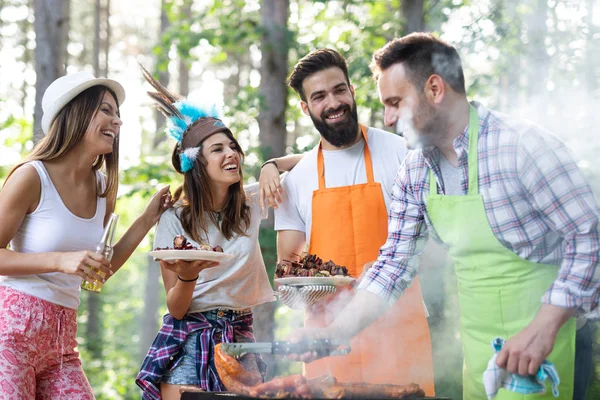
105 247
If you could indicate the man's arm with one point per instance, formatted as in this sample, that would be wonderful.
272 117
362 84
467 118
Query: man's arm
557 189
560 194
397 263
289 243
391 274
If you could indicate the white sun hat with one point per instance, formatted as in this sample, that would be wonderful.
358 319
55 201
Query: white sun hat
66 88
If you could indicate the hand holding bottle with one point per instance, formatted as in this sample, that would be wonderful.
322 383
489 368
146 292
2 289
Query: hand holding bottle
104 248
85 264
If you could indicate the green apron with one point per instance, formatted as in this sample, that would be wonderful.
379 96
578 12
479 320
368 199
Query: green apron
499 293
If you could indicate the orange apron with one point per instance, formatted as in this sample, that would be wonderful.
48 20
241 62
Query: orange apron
349 225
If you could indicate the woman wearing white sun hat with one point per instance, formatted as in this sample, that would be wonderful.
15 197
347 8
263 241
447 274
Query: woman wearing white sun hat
53 208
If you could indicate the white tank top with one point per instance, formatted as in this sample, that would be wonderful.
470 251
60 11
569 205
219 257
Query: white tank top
53 228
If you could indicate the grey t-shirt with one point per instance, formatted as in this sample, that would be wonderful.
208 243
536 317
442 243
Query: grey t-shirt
237 284
451 177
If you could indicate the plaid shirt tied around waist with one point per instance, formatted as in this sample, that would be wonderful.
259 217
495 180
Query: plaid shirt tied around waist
164 354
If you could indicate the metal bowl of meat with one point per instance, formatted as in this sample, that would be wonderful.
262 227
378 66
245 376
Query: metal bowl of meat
301 297
308 280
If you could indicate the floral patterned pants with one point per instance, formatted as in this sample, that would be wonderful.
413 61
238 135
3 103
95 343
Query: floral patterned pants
37 350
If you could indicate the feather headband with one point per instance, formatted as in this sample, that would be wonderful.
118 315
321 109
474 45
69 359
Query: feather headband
188 123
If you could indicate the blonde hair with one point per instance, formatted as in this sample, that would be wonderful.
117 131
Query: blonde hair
68 129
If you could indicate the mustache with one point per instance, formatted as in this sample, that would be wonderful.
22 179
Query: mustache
327 113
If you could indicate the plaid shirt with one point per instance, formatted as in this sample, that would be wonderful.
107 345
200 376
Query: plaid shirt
164 354
536 199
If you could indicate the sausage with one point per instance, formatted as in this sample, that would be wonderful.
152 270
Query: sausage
365 391
280 384
232 367
303 392
230 383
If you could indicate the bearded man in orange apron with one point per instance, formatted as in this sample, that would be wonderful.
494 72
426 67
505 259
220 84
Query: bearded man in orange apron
509 202
337 201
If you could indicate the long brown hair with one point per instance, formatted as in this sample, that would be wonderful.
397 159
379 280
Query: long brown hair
69 128
198 203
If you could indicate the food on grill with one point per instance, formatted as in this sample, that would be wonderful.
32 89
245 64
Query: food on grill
229 366
309 265
240 381
366 391
180 242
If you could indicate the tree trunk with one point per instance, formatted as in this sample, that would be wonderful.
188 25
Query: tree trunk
589 79
510 82
184 72
271 121
273 71
150 316
93 327
152 287
163 76
51 26
538 59
414 16
25 28
107 39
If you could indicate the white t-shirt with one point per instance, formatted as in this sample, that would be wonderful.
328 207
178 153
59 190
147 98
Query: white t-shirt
342 168
52 227
237 284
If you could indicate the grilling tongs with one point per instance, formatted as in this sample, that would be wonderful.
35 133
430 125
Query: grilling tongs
323 348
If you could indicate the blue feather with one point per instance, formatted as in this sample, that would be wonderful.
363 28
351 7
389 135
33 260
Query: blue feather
191 112
195 111
186 163
179 123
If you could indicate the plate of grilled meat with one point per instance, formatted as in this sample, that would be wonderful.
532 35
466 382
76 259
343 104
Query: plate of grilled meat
183 250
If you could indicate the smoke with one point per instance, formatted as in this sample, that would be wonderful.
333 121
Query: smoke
405 127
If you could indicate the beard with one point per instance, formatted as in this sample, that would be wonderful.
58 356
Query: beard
424 128
339 134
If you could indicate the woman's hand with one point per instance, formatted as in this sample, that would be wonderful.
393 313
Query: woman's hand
86 264
159 203
188 269
269 187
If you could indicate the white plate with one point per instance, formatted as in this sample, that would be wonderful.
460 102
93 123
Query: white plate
315 280
190 255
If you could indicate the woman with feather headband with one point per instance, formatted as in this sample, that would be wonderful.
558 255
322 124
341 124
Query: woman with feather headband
207 302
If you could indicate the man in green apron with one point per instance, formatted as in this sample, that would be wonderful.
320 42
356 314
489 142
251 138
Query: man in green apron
509 202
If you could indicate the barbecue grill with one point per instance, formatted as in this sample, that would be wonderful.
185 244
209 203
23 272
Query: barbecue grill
232 396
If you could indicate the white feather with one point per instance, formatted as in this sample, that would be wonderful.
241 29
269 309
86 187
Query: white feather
191 152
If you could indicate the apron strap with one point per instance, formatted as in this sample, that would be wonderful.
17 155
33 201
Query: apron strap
368 163
473 160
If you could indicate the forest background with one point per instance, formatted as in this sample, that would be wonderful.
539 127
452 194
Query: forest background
538 59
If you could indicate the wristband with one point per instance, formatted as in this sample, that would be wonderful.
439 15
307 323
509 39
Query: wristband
270 162
187 280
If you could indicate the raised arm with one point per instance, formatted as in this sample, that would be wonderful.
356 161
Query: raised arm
270 190
160 201
19 197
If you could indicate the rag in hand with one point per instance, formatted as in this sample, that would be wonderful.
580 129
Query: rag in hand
495 377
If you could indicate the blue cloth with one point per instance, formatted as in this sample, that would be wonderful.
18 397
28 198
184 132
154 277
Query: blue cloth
495 377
